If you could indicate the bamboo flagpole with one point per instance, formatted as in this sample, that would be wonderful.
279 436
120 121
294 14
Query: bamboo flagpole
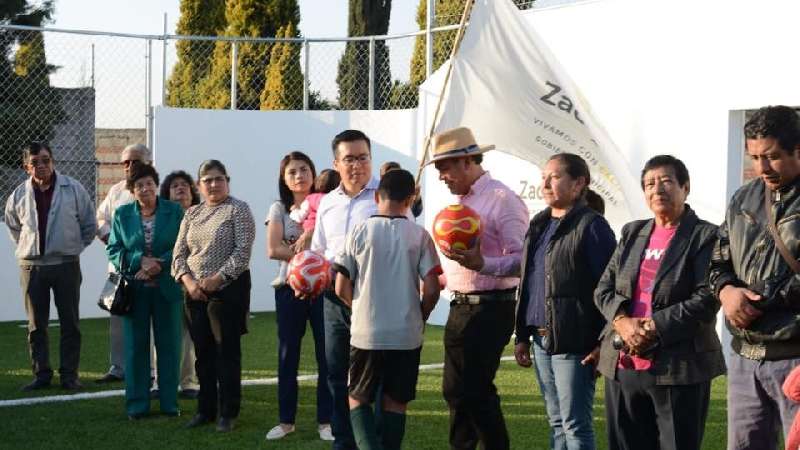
456 44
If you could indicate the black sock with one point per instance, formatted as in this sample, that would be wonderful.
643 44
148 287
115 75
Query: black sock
393 429
363 421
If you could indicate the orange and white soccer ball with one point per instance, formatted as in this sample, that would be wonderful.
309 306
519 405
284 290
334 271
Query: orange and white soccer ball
309 273
456 227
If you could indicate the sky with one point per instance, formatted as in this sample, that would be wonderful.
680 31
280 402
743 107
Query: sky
318 18
116 67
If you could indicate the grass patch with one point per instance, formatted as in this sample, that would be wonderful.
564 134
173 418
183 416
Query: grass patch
103 423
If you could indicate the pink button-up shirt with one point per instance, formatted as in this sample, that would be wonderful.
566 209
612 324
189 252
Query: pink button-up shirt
504 220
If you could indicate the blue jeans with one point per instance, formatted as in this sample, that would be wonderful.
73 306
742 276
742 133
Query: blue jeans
292 315
568 390
337 355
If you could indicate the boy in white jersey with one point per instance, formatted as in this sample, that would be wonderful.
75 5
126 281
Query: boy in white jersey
379 274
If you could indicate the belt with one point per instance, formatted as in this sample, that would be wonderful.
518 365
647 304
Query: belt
482 297
541 331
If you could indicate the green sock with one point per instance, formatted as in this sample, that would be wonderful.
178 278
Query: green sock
393 429
363 421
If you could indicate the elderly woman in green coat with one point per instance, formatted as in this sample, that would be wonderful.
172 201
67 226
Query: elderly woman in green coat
142 236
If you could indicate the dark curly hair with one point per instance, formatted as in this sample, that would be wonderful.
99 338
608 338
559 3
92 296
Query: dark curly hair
164 191
681 172
139 171
779 122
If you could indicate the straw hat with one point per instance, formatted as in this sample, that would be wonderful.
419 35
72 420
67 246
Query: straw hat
456 143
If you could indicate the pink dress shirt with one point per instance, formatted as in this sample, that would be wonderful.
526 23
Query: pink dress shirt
504 220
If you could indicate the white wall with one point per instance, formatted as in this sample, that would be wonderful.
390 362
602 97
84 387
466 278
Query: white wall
251 145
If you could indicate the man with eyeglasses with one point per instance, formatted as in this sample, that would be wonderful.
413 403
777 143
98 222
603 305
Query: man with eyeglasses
117 196
50 218
352 202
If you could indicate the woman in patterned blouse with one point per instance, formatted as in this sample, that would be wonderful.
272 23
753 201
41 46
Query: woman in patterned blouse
212 256
142 236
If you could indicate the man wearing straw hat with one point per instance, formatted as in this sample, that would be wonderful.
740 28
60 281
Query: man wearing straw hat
482 281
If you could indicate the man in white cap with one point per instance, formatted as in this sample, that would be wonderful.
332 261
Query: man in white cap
117 196
482 280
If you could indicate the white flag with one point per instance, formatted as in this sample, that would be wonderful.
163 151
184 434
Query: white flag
510 90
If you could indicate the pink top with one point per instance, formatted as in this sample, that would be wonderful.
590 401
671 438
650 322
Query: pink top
308 211
642 304
504 220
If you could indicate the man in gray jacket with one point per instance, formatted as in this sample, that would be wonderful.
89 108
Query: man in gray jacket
51 219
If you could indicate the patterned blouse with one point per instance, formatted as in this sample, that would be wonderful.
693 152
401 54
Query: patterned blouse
214 239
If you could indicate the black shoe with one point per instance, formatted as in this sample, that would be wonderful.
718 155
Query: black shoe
225 424
137 416
153 394
188 393
36 385
71 385
198 420
108 378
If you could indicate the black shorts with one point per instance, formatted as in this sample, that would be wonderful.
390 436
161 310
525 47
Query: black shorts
396 370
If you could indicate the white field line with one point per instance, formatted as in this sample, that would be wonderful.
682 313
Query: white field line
121 392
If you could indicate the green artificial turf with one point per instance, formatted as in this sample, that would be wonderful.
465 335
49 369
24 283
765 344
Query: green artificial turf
102 423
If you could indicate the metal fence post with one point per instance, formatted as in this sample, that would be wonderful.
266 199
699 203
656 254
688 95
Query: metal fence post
234 71
306 48
149 94
164 65
429 20
371 95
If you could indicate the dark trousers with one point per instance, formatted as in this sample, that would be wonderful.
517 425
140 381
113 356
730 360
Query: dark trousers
65 282
337 356
758 410
292 315
216 327
641 415
474 339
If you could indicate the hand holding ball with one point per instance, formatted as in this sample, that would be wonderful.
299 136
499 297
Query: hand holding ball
309 273
456 227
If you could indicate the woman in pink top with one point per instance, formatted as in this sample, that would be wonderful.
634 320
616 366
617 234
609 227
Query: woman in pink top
660 349
306 213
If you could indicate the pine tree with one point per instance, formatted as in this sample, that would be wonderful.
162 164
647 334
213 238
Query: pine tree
284 85
198 18
246 18
365 18
29 106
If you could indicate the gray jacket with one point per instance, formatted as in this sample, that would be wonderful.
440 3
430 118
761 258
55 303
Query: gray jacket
71 223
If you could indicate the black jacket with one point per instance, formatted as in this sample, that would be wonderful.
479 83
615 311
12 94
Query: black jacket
684 309
573 322
745 256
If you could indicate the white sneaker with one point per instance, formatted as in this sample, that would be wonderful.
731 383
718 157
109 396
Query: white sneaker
325 433
279 432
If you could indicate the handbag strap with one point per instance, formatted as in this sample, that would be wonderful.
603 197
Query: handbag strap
779 244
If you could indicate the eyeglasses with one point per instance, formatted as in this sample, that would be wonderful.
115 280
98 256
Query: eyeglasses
211 180
44 161
353 160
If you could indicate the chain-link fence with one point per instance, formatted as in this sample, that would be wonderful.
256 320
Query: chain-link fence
89 94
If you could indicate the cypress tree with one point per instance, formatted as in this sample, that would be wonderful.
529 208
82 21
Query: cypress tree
284 85
29 106
198 18
246 18
365 18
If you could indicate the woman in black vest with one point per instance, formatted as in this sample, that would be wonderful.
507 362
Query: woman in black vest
660 349
566 249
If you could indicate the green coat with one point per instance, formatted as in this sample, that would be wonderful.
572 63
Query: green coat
127 236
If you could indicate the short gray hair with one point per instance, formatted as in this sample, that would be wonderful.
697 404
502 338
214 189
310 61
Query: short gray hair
141 149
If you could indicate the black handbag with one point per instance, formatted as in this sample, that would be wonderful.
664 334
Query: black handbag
117 294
